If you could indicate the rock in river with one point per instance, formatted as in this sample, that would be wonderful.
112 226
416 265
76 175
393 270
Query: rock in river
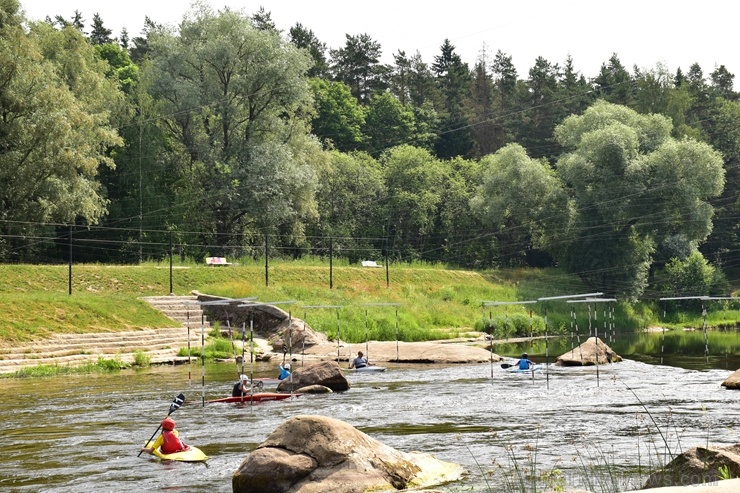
318 454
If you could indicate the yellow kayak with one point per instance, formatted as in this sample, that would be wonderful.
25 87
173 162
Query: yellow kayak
192 454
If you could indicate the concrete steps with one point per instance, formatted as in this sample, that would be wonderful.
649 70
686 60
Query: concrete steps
161 345
182 309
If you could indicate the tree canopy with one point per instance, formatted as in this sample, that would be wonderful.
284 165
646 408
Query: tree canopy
235 103
227 135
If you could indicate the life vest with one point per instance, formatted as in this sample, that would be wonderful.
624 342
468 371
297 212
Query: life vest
523 364
171 443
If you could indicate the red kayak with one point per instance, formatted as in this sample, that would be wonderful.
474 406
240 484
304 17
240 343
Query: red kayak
259 397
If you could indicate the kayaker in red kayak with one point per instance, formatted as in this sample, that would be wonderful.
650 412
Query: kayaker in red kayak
242 387
169 441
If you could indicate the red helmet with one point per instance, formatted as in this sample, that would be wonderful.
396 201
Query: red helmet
168 424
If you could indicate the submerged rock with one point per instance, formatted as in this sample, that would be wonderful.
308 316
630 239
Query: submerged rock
318 454
733 381
314 389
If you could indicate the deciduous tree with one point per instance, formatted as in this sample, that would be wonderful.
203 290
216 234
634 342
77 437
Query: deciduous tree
55 131
632 187
339 117
236 103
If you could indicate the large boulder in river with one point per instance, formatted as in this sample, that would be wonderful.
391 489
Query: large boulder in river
733 381
325 373
318 454
590 352
698 465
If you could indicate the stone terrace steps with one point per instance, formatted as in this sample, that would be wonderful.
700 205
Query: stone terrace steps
161 345
182 309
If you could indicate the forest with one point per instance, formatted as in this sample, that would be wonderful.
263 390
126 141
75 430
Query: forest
229 136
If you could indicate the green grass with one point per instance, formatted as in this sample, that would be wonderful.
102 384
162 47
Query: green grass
102 365
421 301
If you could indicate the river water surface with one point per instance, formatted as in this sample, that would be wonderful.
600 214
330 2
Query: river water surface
603 428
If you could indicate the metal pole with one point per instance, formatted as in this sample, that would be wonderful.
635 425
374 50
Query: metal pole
547 357
387 275
171 291
331 263
706 337
596 336
203 358
338 335
398 356
290 343
188 320
490 332
70 260
367 347
251 360
267 270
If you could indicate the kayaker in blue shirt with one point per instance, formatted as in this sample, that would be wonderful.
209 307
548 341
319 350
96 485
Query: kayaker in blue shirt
524 363
360 361
284 371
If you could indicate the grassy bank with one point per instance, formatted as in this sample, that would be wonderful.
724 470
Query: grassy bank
423 302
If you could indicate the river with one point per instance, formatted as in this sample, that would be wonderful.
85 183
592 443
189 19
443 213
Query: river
602 428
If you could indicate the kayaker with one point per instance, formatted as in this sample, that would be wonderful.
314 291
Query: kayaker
242 387
359 362
524 363
284 371
169 440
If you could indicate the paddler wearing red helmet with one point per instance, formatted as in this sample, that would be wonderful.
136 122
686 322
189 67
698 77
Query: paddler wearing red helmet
168 441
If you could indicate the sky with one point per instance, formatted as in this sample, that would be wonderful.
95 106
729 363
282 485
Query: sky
643 33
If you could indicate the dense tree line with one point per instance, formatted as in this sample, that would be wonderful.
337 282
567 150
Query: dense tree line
228 136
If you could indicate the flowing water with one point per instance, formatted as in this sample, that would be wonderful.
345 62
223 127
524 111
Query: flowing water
603 427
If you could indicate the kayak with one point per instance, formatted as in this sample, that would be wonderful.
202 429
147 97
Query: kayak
192 454
367 369
516 369
267 381
258 397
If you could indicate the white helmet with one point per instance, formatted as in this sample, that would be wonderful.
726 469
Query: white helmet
244 378
286 366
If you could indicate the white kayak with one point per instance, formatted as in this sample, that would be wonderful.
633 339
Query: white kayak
267 381
367 369
531 369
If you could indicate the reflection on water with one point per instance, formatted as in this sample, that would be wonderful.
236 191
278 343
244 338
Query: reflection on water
686 349
83 433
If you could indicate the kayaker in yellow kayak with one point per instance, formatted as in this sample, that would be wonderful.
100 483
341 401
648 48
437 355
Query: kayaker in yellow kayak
168 440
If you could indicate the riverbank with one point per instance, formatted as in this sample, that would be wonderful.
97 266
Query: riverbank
161 347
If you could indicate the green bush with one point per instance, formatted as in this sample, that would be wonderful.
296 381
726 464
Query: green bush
141 359
515 325
693 276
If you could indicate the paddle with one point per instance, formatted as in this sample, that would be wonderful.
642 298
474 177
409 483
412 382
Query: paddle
285 351
506 365
173 407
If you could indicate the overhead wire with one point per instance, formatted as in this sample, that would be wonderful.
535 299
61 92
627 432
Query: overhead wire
183 204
